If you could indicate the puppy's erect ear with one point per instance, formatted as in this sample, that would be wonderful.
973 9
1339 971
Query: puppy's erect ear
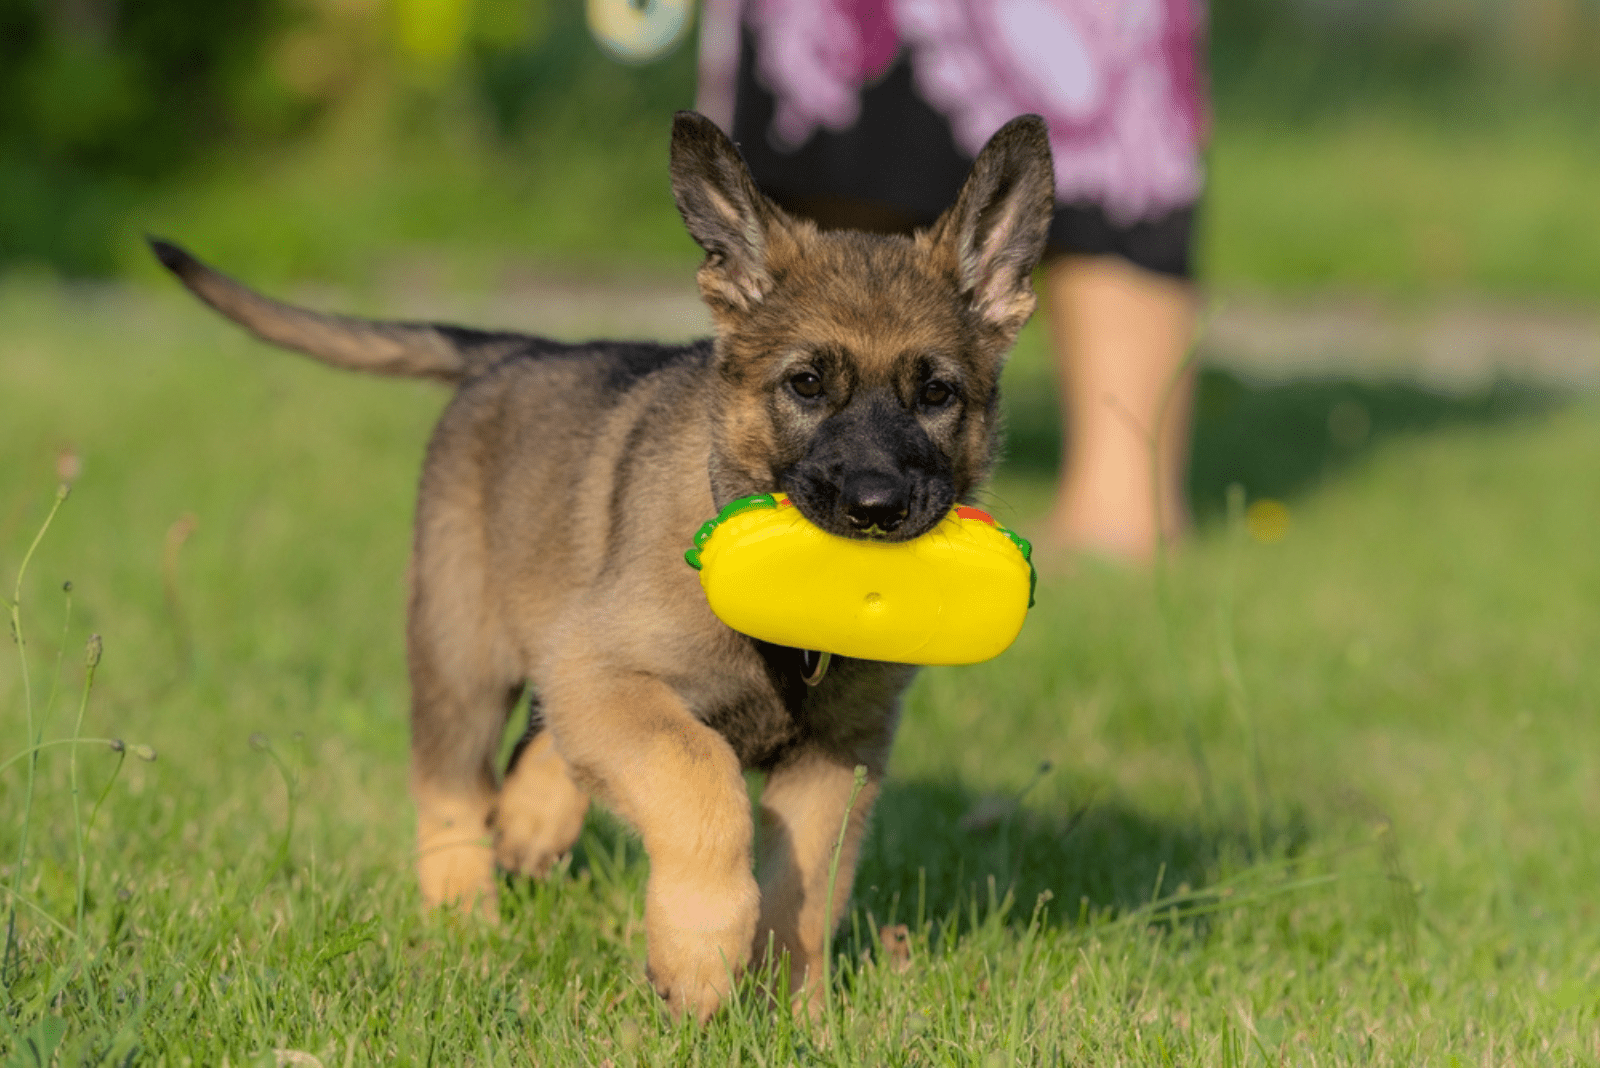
724 211
995 232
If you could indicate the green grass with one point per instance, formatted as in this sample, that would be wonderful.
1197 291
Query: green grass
1407 877
1382 201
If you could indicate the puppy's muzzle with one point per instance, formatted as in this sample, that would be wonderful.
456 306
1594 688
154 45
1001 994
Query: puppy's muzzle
874 502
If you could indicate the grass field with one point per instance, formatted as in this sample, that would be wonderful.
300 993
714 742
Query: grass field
1328 799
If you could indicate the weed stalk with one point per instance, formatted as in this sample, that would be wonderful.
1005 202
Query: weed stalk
91 661
262 744
33 735
833 878
1228 659
1164 600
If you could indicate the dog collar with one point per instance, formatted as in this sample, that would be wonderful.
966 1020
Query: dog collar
814 665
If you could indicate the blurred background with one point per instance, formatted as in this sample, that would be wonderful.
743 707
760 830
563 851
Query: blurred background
1407 146
1400 190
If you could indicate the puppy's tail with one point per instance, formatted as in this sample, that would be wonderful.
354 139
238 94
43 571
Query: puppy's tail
415 350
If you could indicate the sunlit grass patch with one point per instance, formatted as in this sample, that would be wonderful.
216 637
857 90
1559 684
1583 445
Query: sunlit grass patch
1403 877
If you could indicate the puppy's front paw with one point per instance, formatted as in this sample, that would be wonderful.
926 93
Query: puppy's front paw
700 937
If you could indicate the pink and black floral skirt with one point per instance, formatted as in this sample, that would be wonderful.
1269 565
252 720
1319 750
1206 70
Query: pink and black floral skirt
885 102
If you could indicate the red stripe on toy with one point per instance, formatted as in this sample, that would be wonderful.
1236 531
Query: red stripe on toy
974 513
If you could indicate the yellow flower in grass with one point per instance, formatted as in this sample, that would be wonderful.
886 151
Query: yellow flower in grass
1267 520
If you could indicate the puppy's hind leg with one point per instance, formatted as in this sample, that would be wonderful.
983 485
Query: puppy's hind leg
540 811
461 695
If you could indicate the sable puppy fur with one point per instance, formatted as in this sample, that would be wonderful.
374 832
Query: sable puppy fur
857 373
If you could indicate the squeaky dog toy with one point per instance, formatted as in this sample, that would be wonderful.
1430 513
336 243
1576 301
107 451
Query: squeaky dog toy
955 595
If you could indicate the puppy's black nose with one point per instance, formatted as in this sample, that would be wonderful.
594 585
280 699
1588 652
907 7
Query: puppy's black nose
874 501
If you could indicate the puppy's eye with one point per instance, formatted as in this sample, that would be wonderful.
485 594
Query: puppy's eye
807 385
935 394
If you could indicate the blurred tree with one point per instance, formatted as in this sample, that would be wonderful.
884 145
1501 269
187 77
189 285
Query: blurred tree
1300 58
104 101
560 77
102 98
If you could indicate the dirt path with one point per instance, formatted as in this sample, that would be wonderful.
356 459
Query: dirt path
1454 345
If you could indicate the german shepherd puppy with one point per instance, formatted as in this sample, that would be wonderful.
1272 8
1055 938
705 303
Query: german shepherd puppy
856 373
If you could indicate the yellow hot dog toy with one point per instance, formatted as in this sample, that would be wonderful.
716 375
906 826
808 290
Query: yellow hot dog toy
956 595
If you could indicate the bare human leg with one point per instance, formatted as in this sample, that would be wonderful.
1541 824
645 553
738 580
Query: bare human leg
1121 336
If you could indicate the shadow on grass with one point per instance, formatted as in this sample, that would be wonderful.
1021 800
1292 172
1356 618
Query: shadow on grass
920 862
1281 439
